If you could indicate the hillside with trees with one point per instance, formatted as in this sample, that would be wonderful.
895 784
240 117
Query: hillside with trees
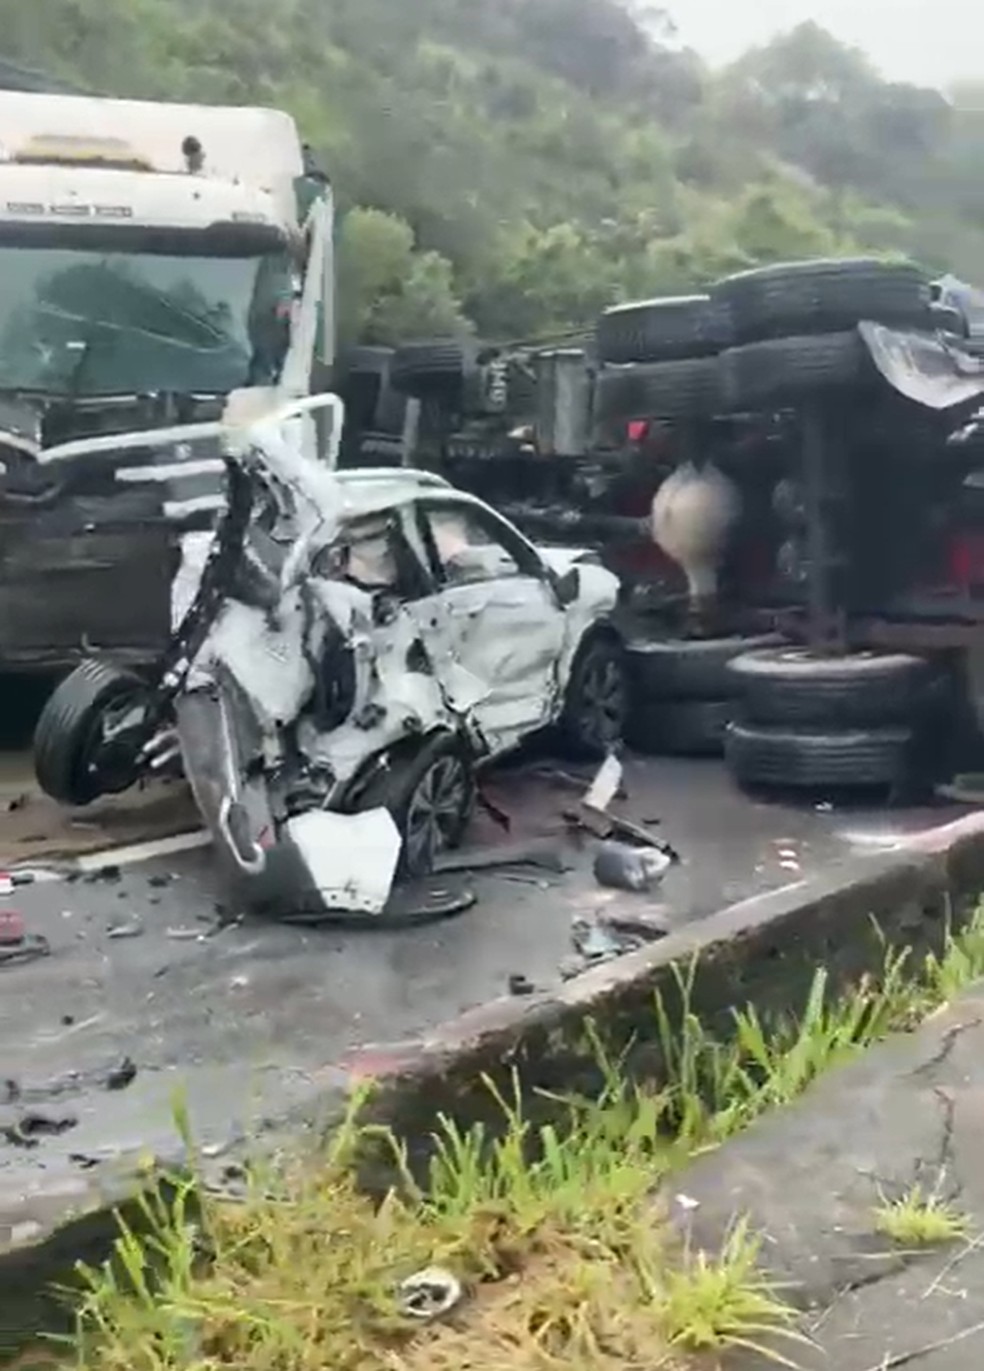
513 167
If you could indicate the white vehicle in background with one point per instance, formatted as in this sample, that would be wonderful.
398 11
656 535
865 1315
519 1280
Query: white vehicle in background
358 645
154 258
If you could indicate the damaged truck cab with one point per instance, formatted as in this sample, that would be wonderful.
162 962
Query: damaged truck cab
154 258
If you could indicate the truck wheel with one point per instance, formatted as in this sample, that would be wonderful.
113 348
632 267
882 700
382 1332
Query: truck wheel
660 330
596 701
781 759
823 296
679 728
688 668
73 760
783 370
430 792
687 389
791 685
425 369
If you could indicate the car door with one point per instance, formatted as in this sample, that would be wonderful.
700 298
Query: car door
504 623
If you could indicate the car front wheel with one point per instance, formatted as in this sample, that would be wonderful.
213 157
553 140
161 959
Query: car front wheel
596 700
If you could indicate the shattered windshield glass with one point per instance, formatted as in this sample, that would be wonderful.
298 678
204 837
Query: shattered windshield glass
98 323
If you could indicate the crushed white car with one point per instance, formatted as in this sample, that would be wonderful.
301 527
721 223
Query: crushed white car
355 647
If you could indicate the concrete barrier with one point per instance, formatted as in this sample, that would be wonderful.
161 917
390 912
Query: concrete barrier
765 949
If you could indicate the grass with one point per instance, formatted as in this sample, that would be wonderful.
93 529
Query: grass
919 1219
570 1250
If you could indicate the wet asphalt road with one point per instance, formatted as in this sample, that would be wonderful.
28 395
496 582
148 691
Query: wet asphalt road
245 1022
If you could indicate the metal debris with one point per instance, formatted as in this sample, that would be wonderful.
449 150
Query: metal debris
32 947
131 928
122 1075
594 816
596 943
430 1294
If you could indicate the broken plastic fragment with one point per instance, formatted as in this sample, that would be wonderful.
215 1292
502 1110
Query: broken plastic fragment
430 1294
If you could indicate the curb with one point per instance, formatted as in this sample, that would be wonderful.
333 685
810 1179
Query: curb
764 949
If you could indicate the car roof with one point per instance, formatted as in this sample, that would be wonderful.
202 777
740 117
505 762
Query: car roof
371 490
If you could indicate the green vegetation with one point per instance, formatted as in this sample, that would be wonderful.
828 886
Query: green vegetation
917 1219
532 160
568 1237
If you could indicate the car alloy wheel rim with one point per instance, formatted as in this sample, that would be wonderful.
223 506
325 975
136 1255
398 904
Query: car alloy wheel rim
437 807
603 702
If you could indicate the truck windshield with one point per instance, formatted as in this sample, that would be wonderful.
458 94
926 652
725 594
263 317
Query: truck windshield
83 323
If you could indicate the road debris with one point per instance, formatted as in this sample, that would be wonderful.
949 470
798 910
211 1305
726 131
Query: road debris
638 869
540 854
594 816
131 928
595 942
520 985
32 947
430 1294
649 922
605 786
121 1075
29 1128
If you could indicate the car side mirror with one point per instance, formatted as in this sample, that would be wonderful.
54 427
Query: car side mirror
568 587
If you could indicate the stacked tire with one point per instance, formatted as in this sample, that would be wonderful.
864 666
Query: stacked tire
794 327
682 694
823 723
659 360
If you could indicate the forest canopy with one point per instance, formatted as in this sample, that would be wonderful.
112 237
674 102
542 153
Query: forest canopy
512 168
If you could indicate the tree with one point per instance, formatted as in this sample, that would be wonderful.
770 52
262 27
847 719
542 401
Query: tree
386 289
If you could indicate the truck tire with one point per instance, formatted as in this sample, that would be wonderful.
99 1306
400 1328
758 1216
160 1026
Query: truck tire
823 296
679 728
686 389
66 738
791 686
424 369
688 668
782 371
660 330
781 759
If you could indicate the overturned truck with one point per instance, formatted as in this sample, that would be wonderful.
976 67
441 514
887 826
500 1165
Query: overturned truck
773 458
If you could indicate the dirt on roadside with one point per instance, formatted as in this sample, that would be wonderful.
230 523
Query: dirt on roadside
34 828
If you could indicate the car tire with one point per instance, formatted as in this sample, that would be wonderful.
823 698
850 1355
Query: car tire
783 759
687 389
782 371
429 789
65 737
823 296
688 668
596 701
427 369
792 686
679 728
660 330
